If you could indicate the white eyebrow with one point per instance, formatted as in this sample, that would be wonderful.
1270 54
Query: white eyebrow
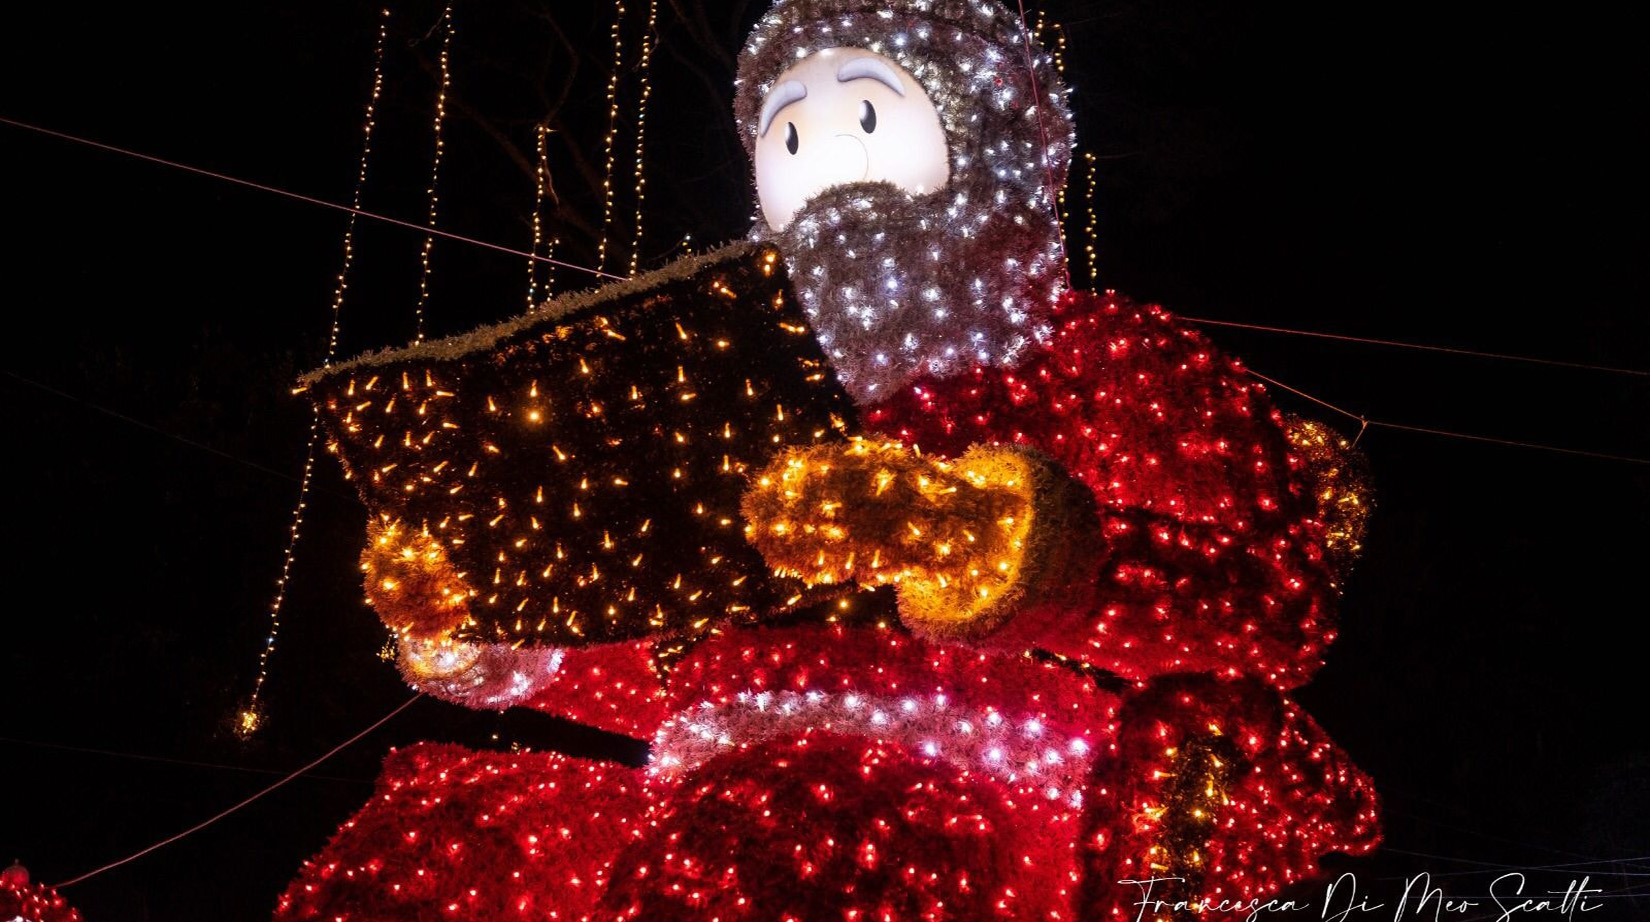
783 95
857 68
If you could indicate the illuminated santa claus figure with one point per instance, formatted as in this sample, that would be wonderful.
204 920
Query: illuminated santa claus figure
1094 560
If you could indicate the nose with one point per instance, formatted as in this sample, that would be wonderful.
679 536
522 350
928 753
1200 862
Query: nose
833 161
843 159
849 151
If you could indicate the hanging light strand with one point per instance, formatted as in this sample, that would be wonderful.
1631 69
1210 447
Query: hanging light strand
435 171
1052 194
1045 29
550 274
649 41
612 131
251 715
1092 226
541 177
1059 47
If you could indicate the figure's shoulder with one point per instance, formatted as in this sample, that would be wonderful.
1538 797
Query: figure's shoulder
1109 318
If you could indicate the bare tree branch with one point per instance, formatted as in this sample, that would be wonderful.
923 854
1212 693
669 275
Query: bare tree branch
702 31
528 168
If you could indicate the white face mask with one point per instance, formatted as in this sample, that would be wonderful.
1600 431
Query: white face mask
845 115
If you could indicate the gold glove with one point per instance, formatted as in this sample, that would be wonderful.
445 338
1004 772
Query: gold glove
963 540
411 583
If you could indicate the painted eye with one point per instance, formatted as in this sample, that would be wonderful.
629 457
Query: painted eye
867 116
791 140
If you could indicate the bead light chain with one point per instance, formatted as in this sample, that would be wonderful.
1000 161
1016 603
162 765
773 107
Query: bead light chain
251 715
1044 29
1039 104
1090 227
612 131
550 276
435 171
649 42
541 178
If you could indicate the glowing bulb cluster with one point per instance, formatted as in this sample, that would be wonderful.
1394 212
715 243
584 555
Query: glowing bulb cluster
412 583
951 535
1229 785
482 676
22 901
1338 479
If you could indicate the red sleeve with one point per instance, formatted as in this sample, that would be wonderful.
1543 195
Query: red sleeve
612 687
1210 558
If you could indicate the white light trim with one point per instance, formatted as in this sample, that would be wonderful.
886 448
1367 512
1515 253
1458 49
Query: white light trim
1018 752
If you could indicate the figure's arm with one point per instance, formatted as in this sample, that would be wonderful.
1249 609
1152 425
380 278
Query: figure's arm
424 599
1209 554
971 543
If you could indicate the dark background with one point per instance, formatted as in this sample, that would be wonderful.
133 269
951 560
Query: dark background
1462 174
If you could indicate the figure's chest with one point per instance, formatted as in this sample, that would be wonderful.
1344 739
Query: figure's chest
1010 718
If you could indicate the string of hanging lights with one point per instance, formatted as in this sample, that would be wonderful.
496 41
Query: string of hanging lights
649 42
251 715
445 80
608 143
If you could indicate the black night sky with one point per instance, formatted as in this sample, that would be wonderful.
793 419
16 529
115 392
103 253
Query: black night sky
1466 175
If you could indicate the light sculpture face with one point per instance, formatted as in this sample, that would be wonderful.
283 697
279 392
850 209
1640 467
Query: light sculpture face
845 115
